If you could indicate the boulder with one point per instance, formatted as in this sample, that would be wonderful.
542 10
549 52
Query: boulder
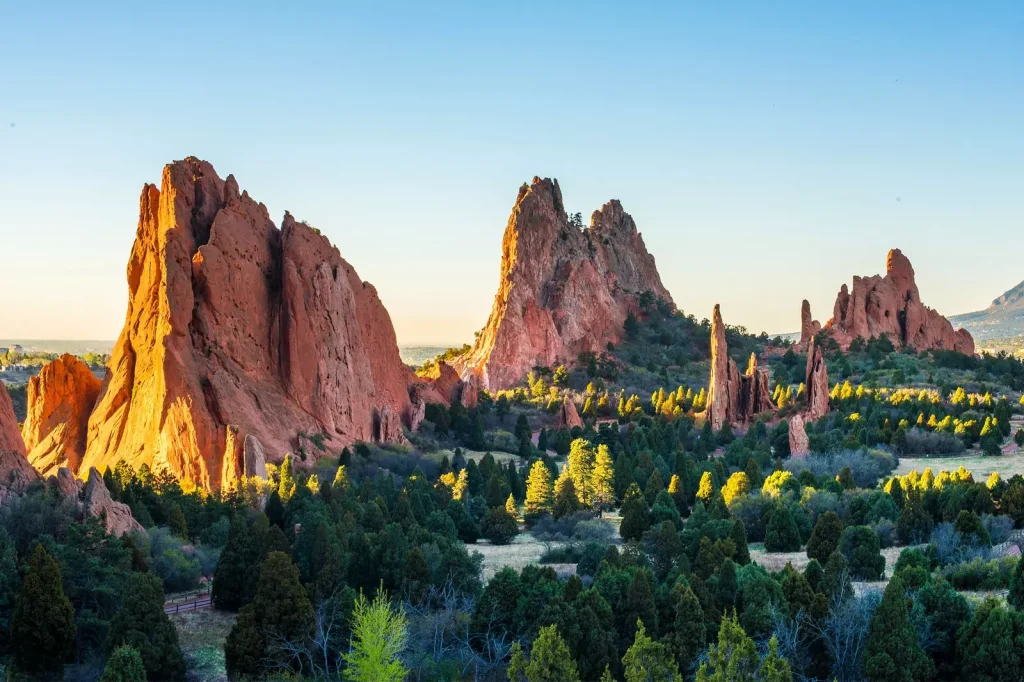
562 290
60 399
799 444
96 502
733 398
66 483
891 305
568 417
236 328
816 383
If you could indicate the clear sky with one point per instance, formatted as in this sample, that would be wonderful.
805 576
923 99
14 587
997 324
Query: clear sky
768 151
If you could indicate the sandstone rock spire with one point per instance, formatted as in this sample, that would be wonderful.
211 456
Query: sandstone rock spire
733 398
562 290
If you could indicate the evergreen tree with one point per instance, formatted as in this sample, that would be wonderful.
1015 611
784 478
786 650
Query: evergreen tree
781 534
274 509
538 491
686 634
550 660
990 645
649 661
42 627
142 625
603 479
1016 594
635 520
286 486
567 500
739 537
733 659
624 475
10 586
706 488
379 637
639 606
580 467
233 567
280 607
522 430
774 668
836 582
825 537
124 665
176 522
863 552
892 652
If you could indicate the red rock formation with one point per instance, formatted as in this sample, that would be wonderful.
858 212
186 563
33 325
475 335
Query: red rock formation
891 305
816 383
568 416
388 427
60 399
808 326
92 499
562 290
469 395
733 398
16 474
236 328
799 443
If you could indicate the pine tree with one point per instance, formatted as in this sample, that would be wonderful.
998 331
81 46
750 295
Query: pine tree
538 491
42 628
142 624
124 665
550 660
280 607
176 522
825 537
233 566
775 668
990 644
647 660
706 488
733 659
286 486
635 520
892 652
510 506
461 485
567 500
10 586
781 534
603 479
686 634
580 467
379 636
1016 595
341 480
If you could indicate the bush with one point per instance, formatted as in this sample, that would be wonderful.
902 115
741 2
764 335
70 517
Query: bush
886 532
825 537
862 550
178 571
216 534
498 526
979 574
923 442
782 535
754 511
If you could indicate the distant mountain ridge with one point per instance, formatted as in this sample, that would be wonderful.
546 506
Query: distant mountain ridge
1003 318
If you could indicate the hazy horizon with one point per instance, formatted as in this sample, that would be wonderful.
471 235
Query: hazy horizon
767 154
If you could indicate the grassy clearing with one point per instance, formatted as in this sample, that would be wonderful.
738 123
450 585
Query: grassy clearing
979 465
518 554
499 456
776 561
202 635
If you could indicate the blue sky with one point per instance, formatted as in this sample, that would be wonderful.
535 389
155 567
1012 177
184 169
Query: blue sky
768 151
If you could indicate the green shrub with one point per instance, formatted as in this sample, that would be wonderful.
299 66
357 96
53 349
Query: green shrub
862 551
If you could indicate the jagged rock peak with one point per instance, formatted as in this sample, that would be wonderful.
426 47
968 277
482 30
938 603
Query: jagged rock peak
562 290
733 398
891 305
60 399
237 328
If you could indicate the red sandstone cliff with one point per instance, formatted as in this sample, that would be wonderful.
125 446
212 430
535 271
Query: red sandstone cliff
238 336
890 305
15 471
562 290
60 399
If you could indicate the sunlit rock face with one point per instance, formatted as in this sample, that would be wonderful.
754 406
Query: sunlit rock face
733 398
16 474
236 328
60 399
816 383
562 290
891 305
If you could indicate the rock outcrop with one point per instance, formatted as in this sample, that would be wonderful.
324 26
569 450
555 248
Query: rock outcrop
568 416
733 398
60 399
388 427
562 290
440 382
237 328
92 499
816 383
808 326
799 443
891 305
16 474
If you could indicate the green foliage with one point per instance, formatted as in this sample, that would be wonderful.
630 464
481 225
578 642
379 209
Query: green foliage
990 644
379 636
733 659
142 625
42 628
782 535
635 519
498 526
124 665
550 660
892 652
825 537
863 553
649 661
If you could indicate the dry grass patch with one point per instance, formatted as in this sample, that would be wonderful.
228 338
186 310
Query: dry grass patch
979 465
521 552
202 635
